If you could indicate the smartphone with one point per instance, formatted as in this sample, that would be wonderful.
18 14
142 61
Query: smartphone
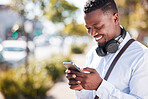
72 66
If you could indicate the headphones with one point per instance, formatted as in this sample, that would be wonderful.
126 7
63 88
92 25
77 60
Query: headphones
112 45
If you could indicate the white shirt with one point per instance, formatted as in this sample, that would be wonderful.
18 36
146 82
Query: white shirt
129 77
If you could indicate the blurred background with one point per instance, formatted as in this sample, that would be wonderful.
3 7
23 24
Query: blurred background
37 36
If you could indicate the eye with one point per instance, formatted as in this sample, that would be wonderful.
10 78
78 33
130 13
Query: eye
88 28
98 28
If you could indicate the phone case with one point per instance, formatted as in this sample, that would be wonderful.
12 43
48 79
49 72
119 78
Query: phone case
71 65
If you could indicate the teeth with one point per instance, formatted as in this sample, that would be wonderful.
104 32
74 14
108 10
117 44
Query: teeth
98 38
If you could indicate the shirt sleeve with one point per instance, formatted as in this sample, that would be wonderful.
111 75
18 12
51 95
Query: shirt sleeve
137 84
84 94
107 91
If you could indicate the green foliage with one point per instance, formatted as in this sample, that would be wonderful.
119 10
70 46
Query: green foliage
78 49
55 66
16 84
9 86
56 9
134 14
75 29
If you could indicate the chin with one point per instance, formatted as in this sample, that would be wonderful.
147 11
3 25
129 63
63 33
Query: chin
101 44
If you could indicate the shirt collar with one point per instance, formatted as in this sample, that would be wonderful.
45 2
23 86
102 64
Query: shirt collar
125 40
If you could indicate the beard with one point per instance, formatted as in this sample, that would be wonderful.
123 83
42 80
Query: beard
102 44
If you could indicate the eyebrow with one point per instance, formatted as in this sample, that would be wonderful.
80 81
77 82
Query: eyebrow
96 23
93 24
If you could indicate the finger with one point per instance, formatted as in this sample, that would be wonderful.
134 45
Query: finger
73 72
69 76
74 82
76 87
68 71
91 70
79 79
81 74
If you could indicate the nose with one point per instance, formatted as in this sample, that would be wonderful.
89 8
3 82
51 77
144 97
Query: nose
92 32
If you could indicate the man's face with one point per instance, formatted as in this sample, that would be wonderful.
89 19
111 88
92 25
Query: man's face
102 27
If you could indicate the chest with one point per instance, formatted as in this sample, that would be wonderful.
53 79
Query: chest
121 73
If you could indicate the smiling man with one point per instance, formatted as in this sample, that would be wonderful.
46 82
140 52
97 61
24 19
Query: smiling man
129 77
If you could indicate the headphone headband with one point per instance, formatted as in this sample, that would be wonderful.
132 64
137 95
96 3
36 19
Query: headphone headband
123 34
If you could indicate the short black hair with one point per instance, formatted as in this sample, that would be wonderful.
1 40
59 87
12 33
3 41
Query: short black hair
104 5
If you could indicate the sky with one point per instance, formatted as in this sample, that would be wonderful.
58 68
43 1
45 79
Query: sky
78 3
4 1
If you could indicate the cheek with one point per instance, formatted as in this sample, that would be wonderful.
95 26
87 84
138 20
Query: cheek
110 35
107 32
110 31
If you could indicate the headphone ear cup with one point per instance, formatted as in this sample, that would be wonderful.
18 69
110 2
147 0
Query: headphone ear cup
112 46
100 51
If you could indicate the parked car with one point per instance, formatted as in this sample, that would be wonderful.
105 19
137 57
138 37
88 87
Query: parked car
14 52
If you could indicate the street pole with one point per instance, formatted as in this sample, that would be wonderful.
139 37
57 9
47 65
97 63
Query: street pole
28 27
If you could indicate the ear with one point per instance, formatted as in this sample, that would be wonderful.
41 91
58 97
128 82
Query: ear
116 18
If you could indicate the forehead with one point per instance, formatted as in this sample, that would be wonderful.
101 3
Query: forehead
96 17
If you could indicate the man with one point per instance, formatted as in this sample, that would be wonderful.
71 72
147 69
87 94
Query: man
129 77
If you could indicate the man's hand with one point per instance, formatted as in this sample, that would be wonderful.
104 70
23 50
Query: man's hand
81 80
91 80
73 82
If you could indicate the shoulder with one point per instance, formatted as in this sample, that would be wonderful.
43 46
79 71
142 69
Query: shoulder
137 47
92 51
137 51
138 54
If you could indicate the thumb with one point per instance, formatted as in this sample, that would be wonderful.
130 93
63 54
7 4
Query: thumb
87 69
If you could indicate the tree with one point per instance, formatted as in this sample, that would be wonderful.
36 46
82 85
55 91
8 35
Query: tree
57 11
134 14
74 29
60 11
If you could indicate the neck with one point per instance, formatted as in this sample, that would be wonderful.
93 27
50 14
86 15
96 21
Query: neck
118 32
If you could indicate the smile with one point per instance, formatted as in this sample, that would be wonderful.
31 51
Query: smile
98 38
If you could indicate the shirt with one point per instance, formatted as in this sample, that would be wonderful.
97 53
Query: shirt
129 77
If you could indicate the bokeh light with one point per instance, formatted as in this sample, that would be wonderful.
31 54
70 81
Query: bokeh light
15 35
38 32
